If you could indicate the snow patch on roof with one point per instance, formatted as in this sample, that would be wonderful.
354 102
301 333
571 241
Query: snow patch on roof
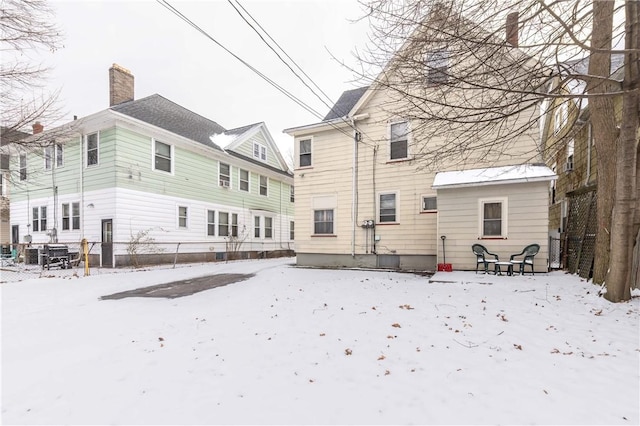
222 139
493 176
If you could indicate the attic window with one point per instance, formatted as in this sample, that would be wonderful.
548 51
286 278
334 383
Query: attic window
259 151
163 157
437 66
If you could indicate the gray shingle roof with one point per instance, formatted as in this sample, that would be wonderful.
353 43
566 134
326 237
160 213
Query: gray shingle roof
240 130
168 115
345 103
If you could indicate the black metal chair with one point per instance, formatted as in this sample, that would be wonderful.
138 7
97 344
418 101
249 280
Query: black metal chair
481 251
528 254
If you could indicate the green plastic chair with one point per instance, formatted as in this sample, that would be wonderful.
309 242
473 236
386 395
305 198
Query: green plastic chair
481 253
528 254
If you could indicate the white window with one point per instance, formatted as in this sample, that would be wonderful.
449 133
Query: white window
399 140
560 117
268 227
292 195
437 66
305 152
292 230
48 157
387 208
224 175
244 180
3 184
429 204
59 155
70 216
223 224
53 153
39 219
323 222
163 157
264 185
182 216
568 166
211 223
256 227
23 166
92 149
234 224
493 218
259 151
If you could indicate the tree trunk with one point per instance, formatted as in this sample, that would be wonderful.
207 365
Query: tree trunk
605 132
622 237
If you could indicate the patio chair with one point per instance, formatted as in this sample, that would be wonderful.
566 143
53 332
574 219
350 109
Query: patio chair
9 259
481 253
528 254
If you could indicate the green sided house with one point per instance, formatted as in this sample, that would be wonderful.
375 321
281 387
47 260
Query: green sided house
148 181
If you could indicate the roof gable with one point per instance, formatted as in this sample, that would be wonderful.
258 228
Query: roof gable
242 141
345 103
168 115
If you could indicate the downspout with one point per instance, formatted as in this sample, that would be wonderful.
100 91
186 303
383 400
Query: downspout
82 207
354 188
589 143
373 185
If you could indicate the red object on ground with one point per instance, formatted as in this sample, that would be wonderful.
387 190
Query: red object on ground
445 267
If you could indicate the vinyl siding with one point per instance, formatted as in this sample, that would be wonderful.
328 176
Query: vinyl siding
527 222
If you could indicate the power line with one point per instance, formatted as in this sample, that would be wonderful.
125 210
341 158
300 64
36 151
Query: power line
330 106
281 89
284 52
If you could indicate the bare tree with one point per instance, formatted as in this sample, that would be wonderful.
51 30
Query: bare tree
454 67
26 30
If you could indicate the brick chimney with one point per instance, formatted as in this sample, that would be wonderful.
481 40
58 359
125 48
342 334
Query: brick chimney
512 29
120 85
37 127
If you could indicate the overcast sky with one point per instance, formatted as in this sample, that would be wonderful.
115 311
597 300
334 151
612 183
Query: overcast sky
172 59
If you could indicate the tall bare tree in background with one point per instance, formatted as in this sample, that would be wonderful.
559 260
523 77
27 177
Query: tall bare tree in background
26 30
499 95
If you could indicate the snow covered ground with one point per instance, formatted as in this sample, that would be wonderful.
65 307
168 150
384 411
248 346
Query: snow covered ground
303 346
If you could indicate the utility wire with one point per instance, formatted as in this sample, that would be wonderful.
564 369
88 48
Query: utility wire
284 52
245 63
281 89
330 106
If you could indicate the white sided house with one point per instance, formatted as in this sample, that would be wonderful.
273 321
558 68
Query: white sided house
366 197
146 181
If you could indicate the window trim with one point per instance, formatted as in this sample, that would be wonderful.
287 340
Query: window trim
48 157
422 204
96 149
333 222
266 186
41 218
292 194
180 217
268 235
209 223
407 140
262 150
23 166
71 217
227 176
240 181
171 157
396 208
504 230
223 225
437 66
257 227
300 153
